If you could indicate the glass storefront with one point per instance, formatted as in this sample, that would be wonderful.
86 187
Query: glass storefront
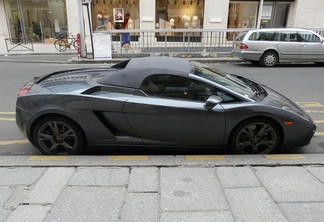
274 14
115 14
179 14
243 14
40 21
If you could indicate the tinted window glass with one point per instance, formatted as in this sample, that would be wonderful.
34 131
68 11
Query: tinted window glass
261 36
177 87
308 37
286 36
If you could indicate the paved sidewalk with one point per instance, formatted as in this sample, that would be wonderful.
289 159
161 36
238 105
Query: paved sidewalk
48 54
162 188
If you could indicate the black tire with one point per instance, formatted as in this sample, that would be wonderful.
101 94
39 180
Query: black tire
60 45
255 136
58 136
269 59
57 44
75 44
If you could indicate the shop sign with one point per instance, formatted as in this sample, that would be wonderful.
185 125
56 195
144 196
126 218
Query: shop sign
102 46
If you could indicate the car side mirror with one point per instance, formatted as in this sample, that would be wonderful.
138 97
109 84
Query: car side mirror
212 101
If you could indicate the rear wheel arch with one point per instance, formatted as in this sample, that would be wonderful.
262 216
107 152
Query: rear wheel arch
59 117
265 119
272 54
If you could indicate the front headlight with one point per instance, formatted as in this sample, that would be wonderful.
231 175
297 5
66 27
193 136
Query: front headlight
296 111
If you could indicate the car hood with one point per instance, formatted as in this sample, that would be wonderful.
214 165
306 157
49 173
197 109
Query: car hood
276 99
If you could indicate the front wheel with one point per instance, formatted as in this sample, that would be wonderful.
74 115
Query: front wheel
58 136
60 45
255 136
269 59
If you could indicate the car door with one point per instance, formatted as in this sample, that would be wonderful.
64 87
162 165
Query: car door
173 112
312 47
288 45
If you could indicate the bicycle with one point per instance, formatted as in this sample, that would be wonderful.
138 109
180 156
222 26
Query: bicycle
64 42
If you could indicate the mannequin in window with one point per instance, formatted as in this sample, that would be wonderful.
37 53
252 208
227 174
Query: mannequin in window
107 23
172 23
99 20
195 22
186 20
130 23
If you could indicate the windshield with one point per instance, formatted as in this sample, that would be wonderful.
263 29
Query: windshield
238 84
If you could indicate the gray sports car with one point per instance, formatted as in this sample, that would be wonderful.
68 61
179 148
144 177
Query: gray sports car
157 102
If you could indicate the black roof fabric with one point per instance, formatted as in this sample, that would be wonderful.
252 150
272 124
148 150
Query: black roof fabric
138 69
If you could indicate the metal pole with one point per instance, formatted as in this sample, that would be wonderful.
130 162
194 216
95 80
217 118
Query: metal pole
90 30
260 14
82 35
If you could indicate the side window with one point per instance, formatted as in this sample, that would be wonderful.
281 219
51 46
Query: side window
181 88
292 36
286 36
261 36
308 37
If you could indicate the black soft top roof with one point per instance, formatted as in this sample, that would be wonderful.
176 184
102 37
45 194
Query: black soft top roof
132 72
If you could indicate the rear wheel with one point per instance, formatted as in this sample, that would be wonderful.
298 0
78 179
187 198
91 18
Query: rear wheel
255 136
58 136
269 59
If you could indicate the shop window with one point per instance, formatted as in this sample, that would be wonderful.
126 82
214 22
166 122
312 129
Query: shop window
115 14
242 14
39 21
179 14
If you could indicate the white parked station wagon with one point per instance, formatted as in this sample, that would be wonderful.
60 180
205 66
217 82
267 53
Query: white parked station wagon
269 47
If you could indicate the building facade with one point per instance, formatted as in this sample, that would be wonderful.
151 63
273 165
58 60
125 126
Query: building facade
43 20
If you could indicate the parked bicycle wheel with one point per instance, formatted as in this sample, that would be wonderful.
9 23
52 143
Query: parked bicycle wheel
60 45
75 44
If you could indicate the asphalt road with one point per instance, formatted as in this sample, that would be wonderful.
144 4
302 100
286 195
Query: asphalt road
301 83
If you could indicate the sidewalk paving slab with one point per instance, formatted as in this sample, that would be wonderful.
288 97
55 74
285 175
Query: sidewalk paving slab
20 176
142 207
305 212
5 193
88 203
291 184
144 180
191 189
98 176
253 204
237 177
50 186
